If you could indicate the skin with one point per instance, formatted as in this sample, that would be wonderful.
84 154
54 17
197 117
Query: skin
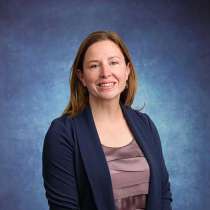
103 63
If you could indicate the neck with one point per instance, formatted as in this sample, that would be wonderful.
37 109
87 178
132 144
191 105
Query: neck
107 110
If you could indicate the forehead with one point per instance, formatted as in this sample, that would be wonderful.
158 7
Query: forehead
103 49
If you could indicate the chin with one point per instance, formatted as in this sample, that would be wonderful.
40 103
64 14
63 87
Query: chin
109 96
95 95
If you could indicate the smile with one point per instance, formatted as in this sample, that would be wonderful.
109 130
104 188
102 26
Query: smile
108 84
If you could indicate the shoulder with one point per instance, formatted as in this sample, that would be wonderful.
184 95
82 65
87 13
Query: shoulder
144 120
60 131
142 116
149 123
61 123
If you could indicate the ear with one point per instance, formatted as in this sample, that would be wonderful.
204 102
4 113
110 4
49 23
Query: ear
128 69
80 77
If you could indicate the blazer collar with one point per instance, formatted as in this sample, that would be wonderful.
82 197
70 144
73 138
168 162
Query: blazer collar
93 156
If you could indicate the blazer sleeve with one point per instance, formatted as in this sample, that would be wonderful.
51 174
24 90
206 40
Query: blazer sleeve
58 168
166 189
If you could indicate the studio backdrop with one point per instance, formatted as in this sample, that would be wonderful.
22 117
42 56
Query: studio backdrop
169 43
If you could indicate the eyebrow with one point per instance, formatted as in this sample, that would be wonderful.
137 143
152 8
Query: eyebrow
108 59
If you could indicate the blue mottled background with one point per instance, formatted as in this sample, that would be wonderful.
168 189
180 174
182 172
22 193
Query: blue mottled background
170 45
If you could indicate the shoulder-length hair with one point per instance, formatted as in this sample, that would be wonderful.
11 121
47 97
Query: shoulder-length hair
79 96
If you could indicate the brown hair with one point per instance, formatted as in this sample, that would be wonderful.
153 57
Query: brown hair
79 94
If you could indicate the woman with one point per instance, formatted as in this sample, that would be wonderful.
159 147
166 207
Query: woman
101 154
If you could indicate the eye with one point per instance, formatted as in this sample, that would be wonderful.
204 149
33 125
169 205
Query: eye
93 66
113 63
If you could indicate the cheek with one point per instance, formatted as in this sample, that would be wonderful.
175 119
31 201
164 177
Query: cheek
90 79
123 76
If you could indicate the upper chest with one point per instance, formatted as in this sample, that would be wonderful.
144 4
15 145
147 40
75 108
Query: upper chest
114 134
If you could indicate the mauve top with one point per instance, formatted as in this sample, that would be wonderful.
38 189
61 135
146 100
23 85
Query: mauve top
129 172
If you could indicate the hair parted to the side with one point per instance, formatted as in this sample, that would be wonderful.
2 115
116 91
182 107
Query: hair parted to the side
79 96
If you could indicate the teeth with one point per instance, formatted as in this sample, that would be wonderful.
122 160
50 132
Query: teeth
106 84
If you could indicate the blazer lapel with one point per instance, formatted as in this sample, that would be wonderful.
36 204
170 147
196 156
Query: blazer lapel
94 160
142 136
93 156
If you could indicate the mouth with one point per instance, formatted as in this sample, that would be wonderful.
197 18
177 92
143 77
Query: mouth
106 84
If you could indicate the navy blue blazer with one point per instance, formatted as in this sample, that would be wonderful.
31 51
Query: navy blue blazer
75 171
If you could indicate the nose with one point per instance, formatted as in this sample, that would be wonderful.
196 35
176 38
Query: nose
105 70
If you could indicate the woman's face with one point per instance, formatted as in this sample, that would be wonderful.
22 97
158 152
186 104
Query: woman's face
104 71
